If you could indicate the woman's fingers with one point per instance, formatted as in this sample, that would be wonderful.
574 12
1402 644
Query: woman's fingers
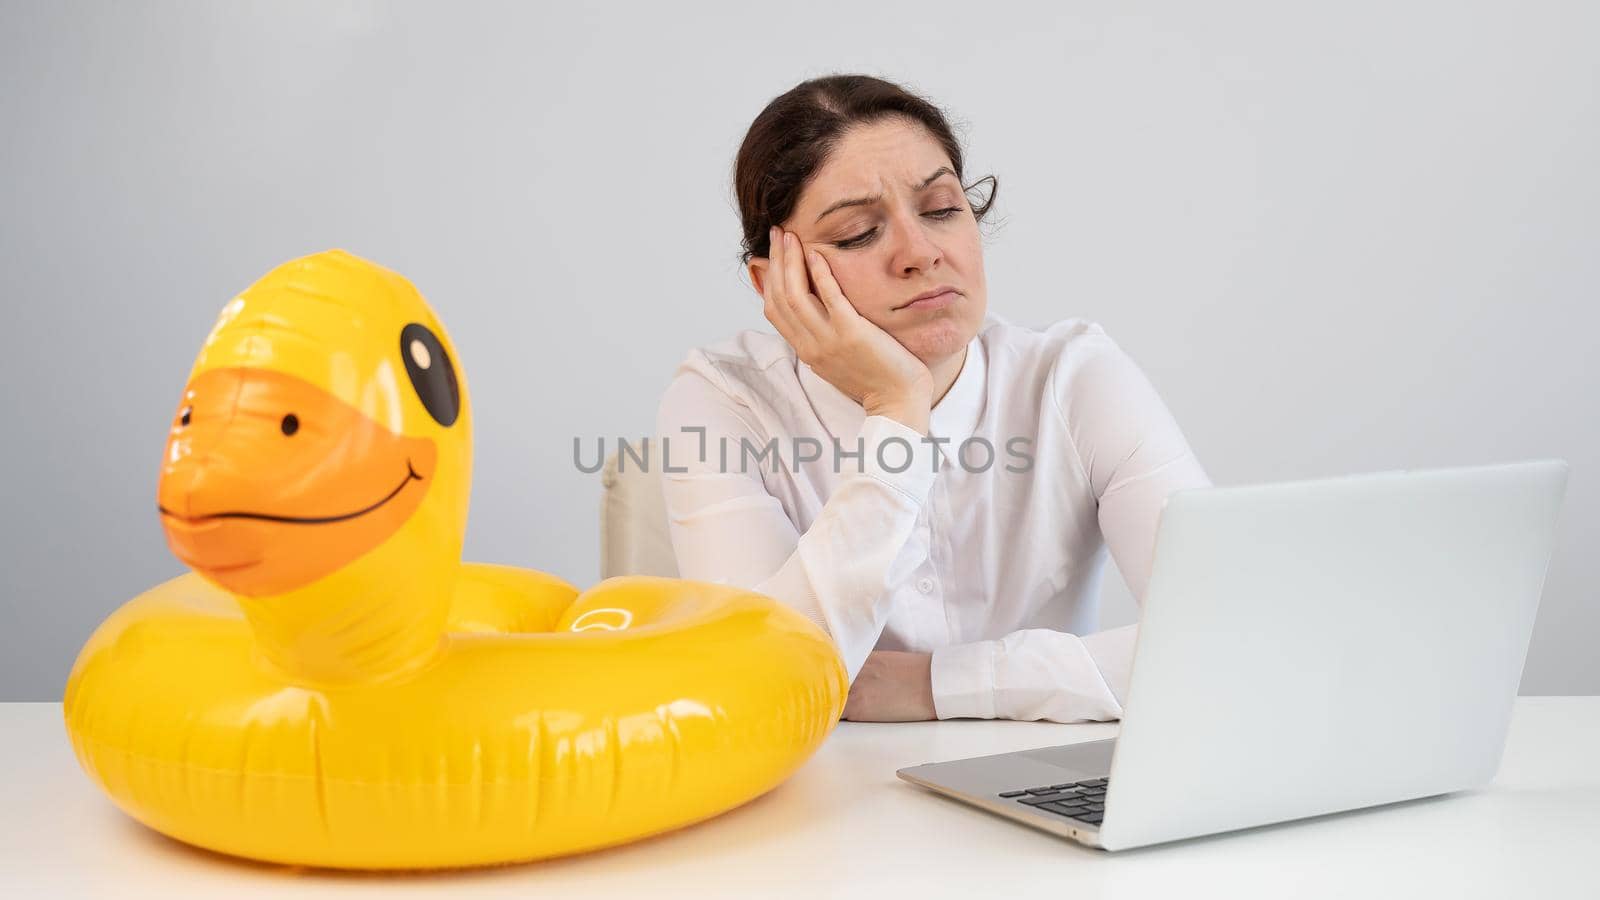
833 298
793 275
797 288
776 307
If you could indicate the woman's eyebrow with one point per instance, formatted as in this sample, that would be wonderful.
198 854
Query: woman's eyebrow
866 201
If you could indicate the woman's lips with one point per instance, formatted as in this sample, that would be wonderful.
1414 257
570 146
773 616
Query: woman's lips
937 301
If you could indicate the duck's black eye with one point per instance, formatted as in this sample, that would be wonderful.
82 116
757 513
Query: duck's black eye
432 375
184 419
291 424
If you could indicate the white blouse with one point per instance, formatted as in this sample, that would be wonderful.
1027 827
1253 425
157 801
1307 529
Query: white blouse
982 542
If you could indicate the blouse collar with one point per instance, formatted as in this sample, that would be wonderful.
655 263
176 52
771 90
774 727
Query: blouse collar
955 416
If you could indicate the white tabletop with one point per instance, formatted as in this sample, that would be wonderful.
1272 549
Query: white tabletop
844 825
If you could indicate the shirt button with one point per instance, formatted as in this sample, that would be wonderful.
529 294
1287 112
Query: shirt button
925 585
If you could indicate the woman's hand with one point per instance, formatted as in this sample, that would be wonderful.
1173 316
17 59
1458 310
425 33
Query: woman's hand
862 360
893 686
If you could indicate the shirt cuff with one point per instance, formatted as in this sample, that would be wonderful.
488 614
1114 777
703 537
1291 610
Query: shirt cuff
1112 652
895 454
963 680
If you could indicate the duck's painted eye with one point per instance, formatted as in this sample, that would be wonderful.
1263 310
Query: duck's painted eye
432 375
184 419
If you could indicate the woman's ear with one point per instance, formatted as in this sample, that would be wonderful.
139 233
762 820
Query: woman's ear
758 274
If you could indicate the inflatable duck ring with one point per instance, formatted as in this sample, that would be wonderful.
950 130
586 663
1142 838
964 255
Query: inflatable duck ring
332 686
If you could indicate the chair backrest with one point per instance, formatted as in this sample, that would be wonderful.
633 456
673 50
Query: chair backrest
633 519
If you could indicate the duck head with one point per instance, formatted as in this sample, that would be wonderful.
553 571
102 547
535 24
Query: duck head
319 465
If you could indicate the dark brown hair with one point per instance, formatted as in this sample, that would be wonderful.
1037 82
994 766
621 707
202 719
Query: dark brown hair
793 136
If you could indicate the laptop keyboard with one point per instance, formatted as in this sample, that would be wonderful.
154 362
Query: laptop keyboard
1081 800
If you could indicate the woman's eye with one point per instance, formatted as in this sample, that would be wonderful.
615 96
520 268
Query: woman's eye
856 241
865 236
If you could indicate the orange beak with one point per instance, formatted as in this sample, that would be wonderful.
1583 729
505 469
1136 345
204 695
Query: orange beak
270 483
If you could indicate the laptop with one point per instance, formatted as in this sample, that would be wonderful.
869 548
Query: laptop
1305 648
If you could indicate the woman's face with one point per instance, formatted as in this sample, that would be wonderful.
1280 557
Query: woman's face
888 214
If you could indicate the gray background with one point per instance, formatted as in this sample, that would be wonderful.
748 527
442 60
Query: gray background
1342 239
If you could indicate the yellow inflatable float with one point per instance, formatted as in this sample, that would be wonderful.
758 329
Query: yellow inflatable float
332 686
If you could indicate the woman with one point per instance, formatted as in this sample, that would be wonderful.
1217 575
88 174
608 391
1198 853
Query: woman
932 485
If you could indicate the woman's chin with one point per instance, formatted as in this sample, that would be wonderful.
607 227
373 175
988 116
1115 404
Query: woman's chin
937 339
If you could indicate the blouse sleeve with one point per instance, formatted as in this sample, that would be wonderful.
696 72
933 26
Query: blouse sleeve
1132 454
726 527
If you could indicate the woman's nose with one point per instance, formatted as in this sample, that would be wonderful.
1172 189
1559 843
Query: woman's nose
915 251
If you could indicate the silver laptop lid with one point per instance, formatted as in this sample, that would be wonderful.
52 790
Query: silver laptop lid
1315 646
